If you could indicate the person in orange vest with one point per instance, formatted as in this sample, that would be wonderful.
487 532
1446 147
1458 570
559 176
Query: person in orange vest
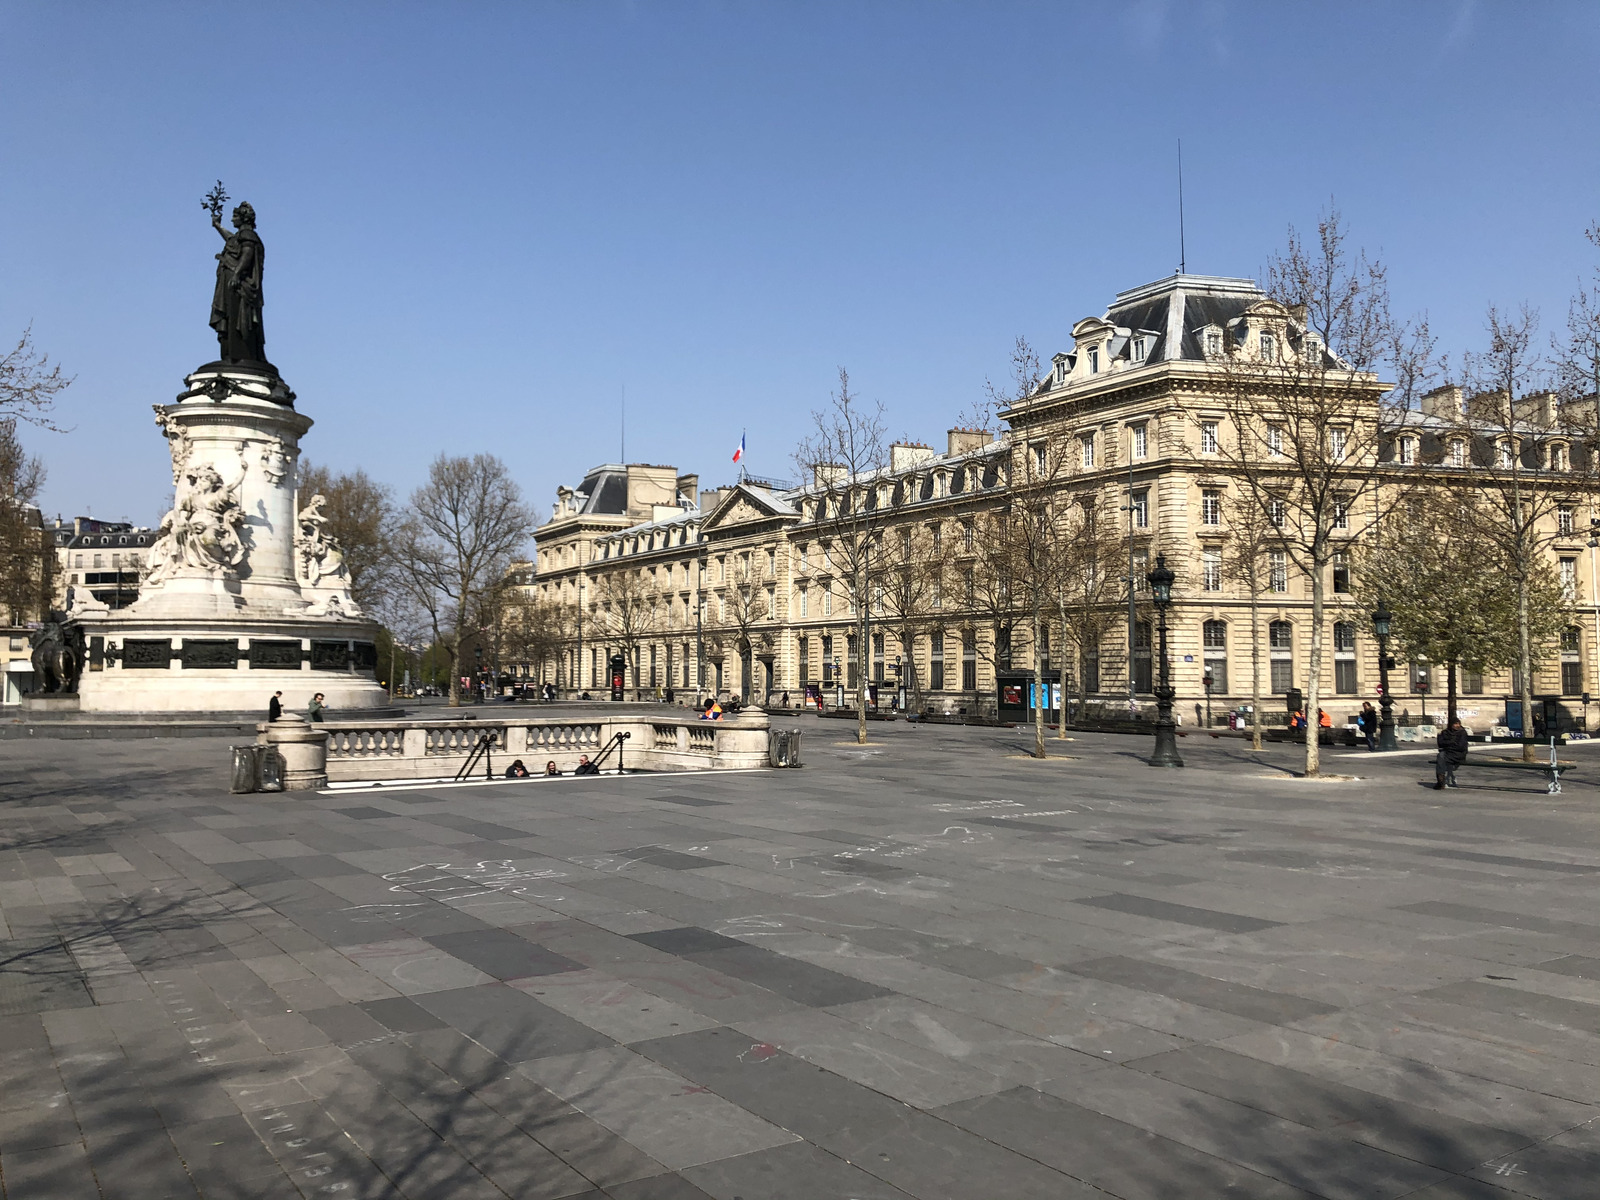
1324 721
713 711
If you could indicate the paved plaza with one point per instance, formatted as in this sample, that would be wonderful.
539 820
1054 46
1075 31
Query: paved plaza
930 967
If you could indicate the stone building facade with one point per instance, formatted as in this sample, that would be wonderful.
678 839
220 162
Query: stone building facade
736 590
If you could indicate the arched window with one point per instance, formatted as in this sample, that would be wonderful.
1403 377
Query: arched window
1214 643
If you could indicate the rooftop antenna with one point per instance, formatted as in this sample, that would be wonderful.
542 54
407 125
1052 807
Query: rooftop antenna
1183 256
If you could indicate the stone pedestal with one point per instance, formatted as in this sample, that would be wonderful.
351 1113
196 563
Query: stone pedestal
222 621
304 748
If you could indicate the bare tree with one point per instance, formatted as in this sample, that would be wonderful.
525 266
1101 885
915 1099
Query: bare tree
629 612
845 458
1578 352
1450 605
27 550
461 532
29 383
1298 379
744 610
1505 422
360 514
910 583
1092 562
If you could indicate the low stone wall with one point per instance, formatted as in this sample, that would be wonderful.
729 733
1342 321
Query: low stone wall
657 741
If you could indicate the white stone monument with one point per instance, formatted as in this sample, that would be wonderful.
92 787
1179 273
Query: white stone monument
245 594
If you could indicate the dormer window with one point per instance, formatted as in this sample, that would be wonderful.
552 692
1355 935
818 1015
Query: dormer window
1408 451
1061 369
1138 348
1094 361
1269 347
1213 343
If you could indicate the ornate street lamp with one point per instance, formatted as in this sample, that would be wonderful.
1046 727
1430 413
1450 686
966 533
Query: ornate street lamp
1166 749
1381 616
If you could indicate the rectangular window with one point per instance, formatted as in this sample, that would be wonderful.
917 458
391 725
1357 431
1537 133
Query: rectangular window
1213 343
805 608
1138 349
1338 440
936 661
1558 457
1094 362
1141 441
1571 679
966 536
1458 453
1091 669
1277 571
1211 507
1408 451
1269 347
1341 513
1564 518
1569 578
969 663
1277 512
804 652
1344 676
98 561
1208 437
1086 444
1143 662
1141 510
1505 454
1280 640
1344 658
1341 571
827 600
936 533
1275 440
1211 570
1471 681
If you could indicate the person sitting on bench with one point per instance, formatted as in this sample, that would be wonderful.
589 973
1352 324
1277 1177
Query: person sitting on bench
1452 742
585 767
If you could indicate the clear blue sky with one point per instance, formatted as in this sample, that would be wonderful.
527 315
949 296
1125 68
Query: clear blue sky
484 220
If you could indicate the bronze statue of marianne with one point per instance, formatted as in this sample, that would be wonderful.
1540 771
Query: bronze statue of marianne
236 303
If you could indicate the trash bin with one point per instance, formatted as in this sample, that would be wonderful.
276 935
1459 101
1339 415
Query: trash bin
245 768
269 770
783 747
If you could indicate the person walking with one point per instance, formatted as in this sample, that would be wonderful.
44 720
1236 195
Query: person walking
1452 743
275 706
316 708
1368 720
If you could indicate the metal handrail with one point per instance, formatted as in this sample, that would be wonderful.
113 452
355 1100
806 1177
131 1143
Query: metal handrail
485 741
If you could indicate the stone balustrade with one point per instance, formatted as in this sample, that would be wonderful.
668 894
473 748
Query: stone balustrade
432 749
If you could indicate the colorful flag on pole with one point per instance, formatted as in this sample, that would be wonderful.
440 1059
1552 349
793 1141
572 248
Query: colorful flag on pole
739 453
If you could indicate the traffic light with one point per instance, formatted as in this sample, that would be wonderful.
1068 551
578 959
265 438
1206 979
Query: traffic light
618 666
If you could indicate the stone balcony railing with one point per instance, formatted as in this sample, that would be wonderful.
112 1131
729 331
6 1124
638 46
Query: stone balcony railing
434 749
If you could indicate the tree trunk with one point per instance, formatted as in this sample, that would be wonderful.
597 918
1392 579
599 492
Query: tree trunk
1525 659
1038 678
1450 695
863 652
1314 683
1061 688
1255 670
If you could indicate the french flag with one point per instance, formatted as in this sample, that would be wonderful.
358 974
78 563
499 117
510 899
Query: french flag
739 453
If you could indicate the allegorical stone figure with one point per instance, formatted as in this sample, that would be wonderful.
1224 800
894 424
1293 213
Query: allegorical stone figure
236 303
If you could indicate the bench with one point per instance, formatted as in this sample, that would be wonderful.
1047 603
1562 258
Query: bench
1552 771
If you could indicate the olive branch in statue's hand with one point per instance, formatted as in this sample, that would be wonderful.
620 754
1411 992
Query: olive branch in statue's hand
214 201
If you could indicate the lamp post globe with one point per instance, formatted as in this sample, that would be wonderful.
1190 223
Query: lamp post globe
1166 747
1381 617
